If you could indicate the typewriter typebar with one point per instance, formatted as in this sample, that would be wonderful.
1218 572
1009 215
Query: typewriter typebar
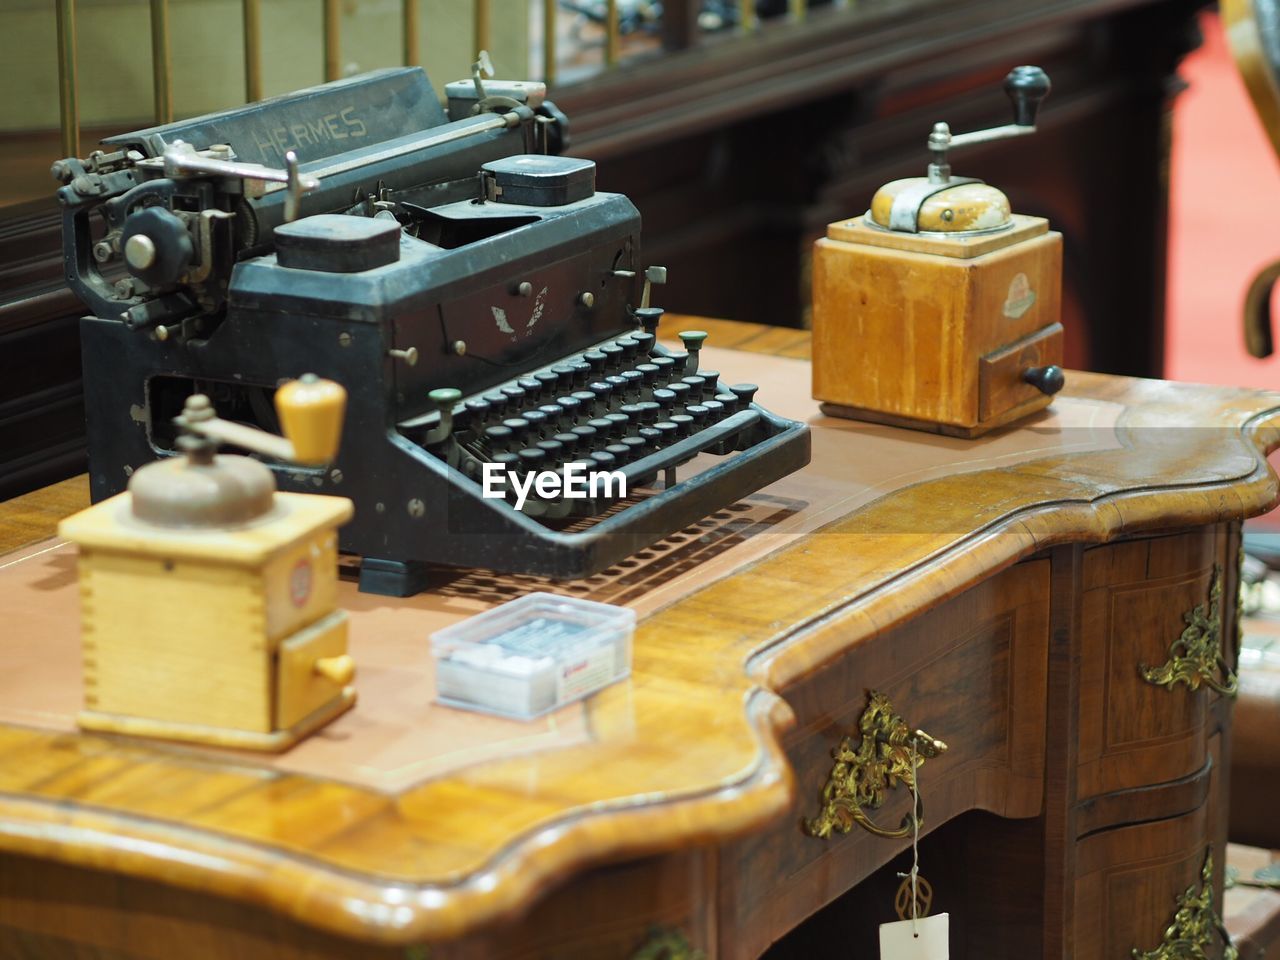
478 299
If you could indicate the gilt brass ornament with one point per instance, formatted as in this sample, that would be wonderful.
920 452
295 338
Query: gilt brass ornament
666 944
1195 658
1195 925
861 777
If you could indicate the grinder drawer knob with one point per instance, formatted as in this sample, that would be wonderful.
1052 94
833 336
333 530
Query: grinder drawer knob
1048 380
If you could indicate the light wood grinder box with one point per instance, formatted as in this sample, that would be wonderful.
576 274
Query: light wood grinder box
209 600
939 308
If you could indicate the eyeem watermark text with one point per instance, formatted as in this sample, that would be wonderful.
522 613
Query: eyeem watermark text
575 482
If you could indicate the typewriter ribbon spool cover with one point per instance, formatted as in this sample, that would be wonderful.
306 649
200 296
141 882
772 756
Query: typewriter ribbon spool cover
479 299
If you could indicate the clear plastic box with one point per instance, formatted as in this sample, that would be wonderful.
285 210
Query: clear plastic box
532 655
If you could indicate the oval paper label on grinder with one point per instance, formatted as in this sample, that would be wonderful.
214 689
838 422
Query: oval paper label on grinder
1020 297
300 583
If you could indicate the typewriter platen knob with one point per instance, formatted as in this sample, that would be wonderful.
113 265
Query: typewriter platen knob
157 247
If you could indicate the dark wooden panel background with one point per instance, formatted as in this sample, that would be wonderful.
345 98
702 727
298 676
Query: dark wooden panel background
739 152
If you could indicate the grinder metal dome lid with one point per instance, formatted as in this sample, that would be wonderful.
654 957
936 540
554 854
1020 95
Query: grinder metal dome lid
950 206
960 206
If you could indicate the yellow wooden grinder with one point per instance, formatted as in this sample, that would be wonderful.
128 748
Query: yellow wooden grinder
939 308
209 599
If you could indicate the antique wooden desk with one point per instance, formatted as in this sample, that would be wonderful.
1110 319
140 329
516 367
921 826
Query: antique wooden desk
1003 594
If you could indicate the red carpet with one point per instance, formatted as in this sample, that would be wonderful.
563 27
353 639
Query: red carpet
1225 221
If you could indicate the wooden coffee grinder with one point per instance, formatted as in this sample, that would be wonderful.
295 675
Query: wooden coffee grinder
938 309
208 599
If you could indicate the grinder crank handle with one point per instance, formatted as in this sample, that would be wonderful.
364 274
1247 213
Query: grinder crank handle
1026 87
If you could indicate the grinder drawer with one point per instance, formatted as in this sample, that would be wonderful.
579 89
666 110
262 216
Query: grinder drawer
1000 383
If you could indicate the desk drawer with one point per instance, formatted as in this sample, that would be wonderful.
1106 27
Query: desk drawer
1129 880
971 673
1139 598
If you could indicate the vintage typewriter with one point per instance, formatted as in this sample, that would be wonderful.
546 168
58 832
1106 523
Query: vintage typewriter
479 300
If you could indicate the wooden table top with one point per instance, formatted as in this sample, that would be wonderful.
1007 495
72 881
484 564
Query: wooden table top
688 750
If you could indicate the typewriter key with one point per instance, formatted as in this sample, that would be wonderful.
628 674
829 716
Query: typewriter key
531 458
696 384
498 440
668 431
729 400
569 441
538 423
570 408
529 385
515 395
649 411
603 460
715 408
665 399
681 391
635 444
710 379
649 318
554 449
745 392
684 423
666 368
519 426
629 348
634 381
596 360
601 391
693 339
699 413
586 435
613 355
649 371
645 340
619 422
550 382
478 411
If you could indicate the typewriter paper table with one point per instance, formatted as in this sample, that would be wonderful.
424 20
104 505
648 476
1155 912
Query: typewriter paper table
1003 595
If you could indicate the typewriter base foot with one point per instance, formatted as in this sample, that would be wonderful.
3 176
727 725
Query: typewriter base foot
392 578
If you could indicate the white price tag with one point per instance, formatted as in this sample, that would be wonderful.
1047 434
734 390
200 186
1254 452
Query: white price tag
923 939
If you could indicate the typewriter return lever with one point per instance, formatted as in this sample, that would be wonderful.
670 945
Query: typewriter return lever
183 160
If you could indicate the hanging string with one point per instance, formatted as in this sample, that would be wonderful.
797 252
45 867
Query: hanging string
915 839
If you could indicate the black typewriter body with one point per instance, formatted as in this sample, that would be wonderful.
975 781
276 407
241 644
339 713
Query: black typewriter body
477 298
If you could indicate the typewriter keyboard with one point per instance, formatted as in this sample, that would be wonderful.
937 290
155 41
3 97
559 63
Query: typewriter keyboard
628 404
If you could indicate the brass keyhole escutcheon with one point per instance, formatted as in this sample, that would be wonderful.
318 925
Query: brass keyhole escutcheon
888 755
